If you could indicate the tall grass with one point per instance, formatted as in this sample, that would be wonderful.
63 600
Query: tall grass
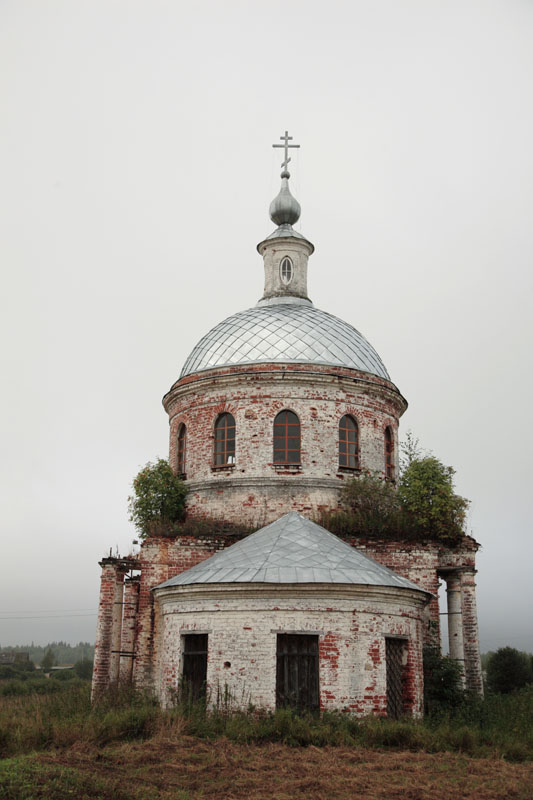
499 726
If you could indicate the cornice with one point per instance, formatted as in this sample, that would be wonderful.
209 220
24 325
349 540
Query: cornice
262 481
279 373
279 593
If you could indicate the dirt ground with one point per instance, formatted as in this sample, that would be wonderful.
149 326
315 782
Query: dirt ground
190 769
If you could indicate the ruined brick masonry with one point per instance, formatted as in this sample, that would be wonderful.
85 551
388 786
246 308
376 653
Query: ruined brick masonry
278 361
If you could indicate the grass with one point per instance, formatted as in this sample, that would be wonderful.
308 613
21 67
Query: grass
57 746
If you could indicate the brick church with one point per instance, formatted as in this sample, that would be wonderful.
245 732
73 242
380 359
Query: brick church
275 409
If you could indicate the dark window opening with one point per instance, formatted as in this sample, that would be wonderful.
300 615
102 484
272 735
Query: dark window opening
348 443
194 673
297 672
394 649
182 448
224 440
389 454
286 438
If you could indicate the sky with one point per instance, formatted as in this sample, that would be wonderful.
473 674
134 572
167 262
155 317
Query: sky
137 170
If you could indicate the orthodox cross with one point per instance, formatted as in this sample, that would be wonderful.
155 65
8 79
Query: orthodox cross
286 139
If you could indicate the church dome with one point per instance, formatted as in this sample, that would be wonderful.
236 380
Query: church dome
285 332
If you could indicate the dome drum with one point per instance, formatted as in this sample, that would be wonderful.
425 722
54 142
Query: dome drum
252 488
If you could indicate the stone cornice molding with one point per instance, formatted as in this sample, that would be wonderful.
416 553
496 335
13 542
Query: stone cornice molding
276 595
263 481
279 373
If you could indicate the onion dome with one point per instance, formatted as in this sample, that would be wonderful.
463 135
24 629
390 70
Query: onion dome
285 209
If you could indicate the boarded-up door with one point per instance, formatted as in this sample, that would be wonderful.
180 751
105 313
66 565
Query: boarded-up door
297 672
394 658
194 673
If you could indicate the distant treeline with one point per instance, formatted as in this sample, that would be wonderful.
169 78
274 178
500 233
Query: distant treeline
63 653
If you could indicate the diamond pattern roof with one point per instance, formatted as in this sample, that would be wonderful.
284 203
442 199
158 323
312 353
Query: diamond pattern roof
284 333
291 550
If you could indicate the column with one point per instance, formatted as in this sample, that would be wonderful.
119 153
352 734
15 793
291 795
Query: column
118 607
473 674
455 616
104 628
129 619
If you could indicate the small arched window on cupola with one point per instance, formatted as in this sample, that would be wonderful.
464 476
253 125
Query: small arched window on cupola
286 270
348 443
182 449
286 438
389 453
224 440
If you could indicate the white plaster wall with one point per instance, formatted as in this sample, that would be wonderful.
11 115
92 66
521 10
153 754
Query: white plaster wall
242 631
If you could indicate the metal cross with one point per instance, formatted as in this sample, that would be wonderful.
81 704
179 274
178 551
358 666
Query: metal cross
285 139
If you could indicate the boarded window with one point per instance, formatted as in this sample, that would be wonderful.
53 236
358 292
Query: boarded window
297 672
225 440
394 649
286 438
182 449
194 674
389 454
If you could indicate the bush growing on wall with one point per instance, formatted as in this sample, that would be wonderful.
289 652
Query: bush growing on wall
423 505
369 505
428 500
158 502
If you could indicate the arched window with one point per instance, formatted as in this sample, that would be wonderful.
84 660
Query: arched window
182 448
224 440
286 438
348 443
389 453
286 270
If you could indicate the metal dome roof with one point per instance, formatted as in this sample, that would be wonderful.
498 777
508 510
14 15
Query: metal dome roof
287 332
291 550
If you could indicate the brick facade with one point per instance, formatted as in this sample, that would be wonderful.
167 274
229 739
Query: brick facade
139 631
242 622
254 490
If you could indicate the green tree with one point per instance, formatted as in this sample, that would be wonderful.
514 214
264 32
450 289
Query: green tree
442 681
48 661
508 669
84 668
158 502
428 500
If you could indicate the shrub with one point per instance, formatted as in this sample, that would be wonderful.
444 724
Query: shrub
428 501
372 503
422 507
507 670
442 682
158 501
84 668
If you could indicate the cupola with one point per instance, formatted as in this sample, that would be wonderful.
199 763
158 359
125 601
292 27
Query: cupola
285 252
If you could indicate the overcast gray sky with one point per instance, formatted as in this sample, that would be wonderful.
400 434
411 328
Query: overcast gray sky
137 170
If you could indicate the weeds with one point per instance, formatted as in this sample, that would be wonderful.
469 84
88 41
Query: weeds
499 726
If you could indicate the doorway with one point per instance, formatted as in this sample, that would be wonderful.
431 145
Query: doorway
394 653
194 674
297 671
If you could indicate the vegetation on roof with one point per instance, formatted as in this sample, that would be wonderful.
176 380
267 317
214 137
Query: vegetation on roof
421 506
